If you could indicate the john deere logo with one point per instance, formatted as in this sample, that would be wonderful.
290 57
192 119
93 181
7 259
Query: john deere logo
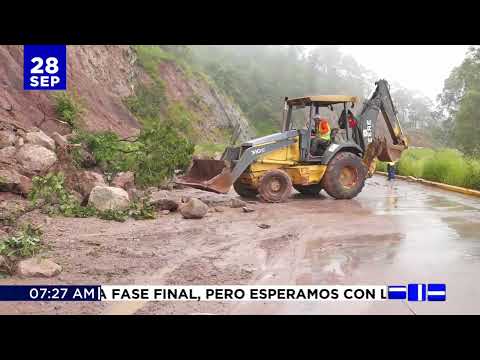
258 151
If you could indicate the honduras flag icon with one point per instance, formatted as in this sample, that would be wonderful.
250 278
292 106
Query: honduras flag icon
397 292
417 292
437 292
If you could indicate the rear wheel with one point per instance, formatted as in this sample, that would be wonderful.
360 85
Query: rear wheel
345 176
313 189
244 190
275 186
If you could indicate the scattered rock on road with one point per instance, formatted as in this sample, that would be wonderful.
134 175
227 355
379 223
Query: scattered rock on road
165 212
108 198
194 209
37 267
237 203
247 209
35 158
163 200
264 226
41 139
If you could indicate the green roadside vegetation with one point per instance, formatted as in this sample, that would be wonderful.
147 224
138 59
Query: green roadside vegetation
446 166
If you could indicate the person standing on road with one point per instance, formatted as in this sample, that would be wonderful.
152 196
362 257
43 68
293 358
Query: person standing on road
391 170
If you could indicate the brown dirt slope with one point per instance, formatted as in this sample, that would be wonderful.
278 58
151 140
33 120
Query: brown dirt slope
103 76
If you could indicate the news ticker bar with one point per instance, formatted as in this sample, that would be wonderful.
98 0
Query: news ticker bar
410 292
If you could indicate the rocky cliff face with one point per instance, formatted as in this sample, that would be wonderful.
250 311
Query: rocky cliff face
103 76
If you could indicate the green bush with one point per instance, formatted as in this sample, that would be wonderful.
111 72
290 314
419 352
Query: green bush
147 102
413 161
447 166
111 153
24 243
68 108
209 149
162 150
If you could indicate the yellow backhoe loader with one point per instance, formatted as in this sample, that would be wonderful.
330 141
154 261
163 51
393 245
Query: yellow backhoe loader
272 165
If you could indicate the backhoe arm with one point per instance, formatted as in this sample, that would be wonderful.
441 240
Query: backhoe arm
385 143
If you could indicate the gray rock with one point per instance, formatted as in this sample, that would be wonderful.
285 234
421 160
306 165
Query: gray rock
107 197
124 180
194 209
59 139
7 155
35 158
40 138
237 203
247 209
7 138
165 212
164 200
37 267
11 180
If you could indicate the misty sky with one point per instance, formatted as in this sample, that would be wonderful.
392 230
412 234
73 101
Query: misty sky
417 67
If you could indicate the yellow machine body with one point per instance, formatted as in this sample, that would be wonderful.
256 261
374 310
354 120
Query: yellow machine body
287 159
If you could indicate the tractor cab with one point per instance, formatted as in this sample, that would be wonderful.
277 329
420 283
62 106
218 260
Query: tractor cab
304 114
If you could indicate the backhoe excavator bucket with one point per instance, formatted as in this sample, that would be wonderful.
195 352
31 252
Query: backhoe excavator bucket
209 175
389 151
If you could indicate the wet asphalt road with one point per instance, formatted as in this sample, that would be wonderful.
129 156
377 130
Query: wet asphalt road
396 233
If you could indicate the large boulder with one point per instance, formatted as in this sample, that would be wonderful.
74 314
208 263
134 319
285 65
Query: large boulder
7 155
7 138
86 181
194 209
11 180
124 180
35 158
40 138
38 267
108 198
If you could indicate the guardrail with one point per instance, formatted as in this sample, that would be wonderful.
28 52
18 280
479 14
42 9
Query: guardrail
457 189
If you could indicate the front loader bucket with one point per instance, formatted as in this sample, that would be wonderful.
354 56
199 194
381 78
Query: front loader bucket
209 175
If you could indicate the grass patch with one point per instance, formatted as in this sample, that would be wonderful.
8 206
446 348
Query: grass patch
24 243
68 108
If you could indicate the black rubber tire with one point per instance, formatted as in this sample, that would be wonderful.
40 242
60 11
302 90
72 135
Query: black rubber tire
313 189
269 181
244 190
332 180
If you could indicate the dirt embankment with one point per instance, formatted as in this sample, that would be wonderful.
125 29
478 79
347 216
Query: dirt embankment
103 76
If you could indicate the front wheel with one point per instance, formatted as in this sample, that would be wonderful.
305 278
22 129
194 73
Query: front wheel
275 186
345 176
